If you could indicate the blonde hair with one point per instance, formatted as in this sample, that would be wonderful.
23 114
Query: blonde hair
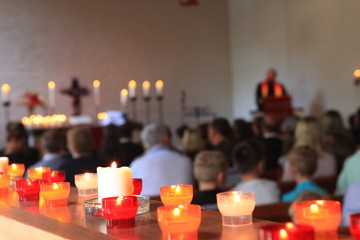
208 164
79 139
308 133
192 141
304 159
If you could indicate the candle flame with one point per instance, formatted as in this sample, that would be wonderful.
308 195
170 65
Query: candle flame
283 234
314 208
290 225
320 202
146 84
124 92
28 182
357 73
102 116
236 197
87 176
96 83
55 186
39 169
14 166
176 212
5 88
53 173
51 85
159 84
119 200
132 84
114 165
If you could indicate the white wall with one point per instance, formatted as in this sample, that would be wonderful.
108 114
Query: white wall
116 41
314 44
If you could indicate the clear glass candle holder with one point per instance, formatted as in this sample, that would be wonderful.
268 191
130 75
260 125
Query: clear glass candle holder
28 189
236 207
55 194
36 173
179 222
322 215
137 182
4 183
355 226
86 183
120 211
53 176
288 231
16 171
174 195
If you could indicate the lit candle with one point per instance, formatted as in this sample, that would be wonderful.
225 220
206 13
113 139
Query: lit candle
137 182
102 116
114 181
323 215
28 189
123 97
16 170
4 162
36 173
132 89
86 183
286 231
179 222
5 93
55 194
96 85
120 211
4 182
53 176
51 88
176 194
146 89
159 85
355 225
236 207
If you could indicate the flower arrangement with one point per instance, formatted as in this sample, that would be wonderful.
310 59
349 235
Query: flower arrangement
32 100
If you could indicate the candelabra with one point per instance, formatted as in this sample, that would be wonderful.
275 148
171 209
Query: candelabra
133 107
160 103
147 108
6 106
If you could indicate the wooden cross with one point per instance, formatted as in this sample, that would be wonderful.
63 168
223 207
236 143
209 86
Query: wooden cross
76 92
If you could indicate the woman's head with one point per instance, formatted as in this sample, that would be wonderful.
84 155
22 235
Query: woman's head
308 133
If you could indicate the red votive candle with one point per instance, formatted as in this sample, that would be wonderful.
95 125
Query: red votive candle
120 211
355 225
137 182
53 176
28 189
286 231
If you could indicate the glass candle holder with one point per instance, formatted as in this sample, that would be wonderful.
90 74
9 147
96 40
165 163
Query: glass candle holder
28 189
55 194
4 162
355 226
120 211
322 215
174 195
36 173
87 183
286 231
16 170
137 182
53 176
4 183
236 207
179 222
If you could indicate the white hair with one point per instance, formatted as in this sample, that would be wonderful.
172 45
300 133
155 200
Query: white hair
153 134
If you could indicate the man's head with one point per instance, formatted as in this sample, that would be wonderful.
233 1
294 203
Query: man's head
219 130
155 134
210 167
303 161
53 141
79 141
271 75
271 124
248 157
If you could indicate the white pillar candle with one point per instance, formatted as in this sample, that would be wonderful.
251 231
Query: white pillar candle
159 85
96 85
51 87
86 183
146 89
4 162
132 89
113 181
123 98
5 93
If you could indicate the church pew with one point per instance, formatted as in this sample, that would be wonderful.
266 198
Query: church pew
277 212
273 174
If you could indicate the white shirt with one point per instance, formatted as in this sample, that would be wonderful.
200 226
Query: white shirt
161 166
266 191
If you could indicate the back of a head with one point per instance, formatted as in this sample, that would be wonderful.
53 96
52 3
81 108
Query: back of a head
125 131
192 141
222 127
332 123
247 155
308 133
53 141
304 159
208 164
242 130
153 134
271 123
16 130
79 139
289 124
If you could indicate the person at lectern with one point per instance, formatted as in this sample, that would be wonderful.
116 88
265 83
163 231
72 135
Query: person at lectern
269 88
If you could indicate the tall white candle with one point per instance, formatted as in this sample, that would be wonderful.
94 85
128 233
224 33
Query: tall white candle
5 93
113 181
96 85
51 87
123 97
4 163
159 85
132 89
146 89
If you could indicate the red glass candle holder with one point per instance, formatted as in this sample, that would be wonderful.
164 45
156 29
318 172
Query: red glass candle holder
28 189
323 215
137 182
355 226
53 176
55 194
120 211
174 195
179 222
36 173
288 231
